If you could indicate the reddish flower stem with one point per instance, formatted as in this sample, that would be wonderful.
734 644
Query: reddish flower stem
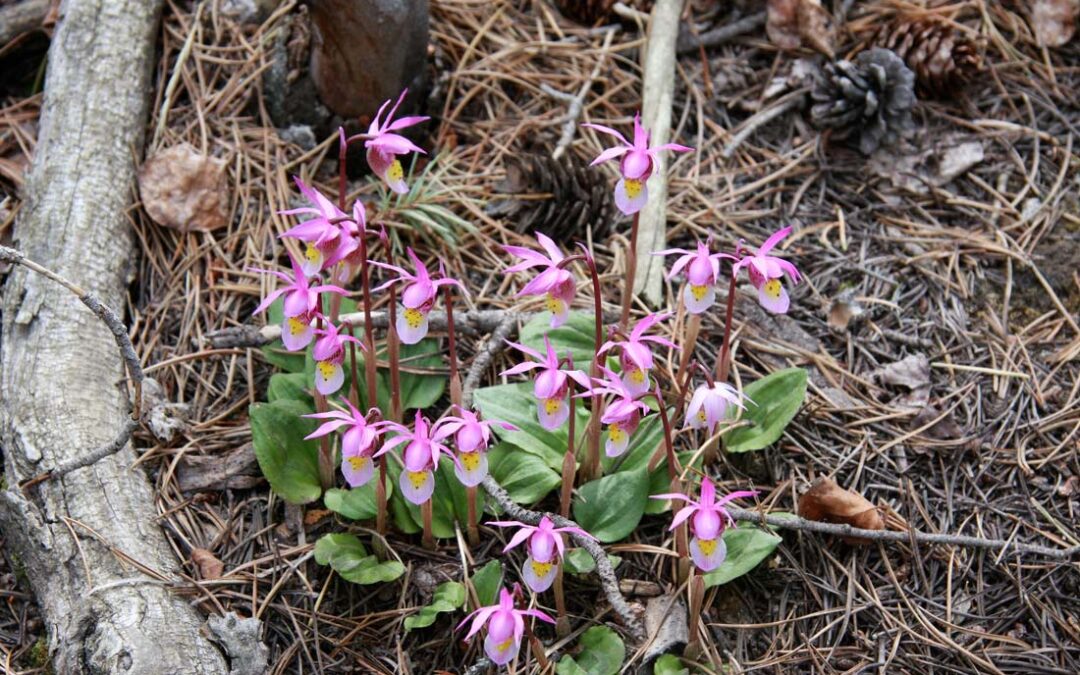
428 539
631 270
591 467
569 460
723 362
369 333
380 497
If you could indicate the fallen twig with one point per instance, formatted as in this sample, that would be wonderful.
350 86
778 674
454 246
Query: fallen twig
608 582
760 119
842 530
466 323
483 358
577 103
718 36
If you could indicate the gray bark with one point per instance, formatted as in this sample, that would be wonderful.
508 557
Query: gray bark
61 377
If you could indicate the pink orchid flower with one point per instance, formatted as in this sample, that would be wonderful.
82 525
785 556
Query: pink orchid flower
322 235
348 252
301 305
701 275
357 443
707 548
417 298
546 549
383 147
505 626
636 164
622 415
709 405
635 356
329 354
551 386
555 283
421 458
472 437
767 272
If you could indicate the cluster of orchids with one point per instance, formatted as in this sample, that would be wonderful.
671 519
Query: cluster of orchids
335 245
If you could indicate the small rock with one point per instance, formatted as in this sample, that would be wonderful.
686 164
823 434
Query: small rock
184 189
298 134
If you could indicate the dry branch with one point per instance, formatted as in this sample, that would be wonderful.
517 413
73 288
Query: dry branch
658 90
608 582
58 393
844 530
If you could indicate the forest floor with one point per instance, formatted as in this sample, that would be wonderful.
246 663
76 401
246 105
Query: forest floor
971 282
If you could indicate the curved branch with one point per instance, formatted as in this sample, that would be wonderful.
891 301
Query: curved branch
842 530
608 582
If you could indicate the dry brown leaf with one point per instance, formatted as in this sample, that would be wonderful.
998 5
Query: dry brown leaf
313 517
209 566
1054 21
827 502
795 23
184 189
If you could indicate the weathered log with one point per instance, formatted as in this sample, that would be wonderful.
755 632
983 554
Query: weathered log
96 559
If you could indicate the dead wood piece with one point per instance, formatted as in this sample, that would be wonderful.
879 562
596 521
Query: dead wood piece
658 92
58 385
21 17
234 470
240 640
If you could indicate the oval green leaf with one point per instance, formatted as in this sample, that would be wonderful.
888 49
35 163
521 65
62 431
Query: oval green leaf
524 476
290 463
448 597
776 398
611 507
515 403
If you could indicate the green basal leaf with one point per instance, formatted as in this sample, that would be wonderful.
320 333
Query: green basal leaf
347 556
290 463
660 482
525 477
420 390
448 597
292 387
669 664
515 403
578 561
284 360
576 335
602 653
567 666
356 503
776 398
611 507
487 581
747 545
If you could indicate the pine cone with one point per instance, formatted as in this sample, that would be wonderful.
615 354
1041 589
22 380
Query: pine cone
561 198
586 12
941 56
871 97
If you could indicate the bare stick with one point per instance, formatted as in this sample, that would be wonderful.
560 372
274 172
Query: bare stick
577 103
466 323
484 356
842 530
722 34
608 582
781 107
